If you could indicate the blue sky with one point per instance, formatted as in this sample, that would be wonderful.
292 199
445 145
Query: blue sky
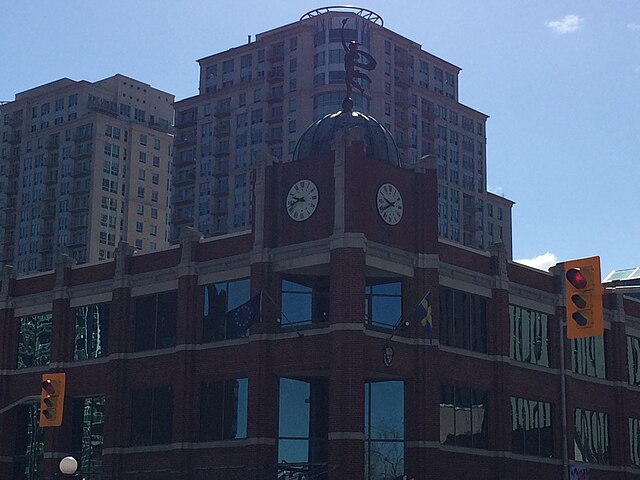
560 81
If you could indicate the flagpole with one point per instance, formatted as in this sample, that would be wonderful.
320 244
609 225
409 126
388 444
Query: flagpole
273 302
395 328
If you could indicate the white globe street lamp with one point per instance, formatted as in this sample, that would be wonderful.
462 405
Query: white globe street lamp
68 465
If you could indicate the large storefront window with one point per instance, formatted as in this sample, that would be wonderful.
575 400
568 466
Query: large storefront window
219 298
305 300
151 416
463 417
383 430
223 410
529 332
531 428
90 331
383 303
587 356
303 424
29 443
155 321
88 435
34 340
463 320
591 437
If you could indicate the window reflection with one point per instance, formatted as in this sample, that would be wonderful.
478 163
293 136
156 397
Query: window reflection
88 435
463 417
633 360
587 356
634 440
529 336
384 429
531 431
223 410
303 423
383 302
90 331
34 340
218 299
591 436
305 299
463 321
29 448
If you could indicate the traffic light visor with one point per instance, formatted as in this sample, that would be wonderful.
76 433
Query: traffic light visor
576 278
47 386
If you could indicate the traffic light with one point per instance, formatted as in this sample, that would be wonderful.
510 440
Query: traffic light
583 294
52 399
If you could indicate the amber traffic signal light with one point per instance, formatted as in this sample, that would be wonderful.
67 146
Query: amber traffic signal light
583 295
52 399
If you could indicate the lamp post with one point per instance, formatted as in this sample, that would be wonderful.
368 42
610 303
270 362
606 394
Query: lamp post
68 468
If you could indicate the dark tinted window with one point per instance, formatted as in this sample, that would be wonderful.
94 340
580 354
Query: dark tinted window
151 416
155 321
223 410
463 321
29 448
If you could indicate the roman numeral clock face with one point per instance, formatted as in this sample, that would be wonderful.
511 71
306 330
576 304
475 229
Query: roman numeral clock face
389 203
302 200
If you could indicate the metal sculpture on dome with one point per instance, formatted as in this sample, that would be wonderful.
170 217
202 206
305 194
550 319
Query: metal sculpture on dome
352 63
316 141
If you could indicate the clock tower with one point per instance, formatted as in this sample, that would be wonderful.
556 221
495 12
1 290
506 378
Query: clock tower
346 178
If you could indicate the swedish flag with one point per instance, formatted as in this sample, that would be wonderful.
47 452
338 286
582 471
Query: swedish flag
423 311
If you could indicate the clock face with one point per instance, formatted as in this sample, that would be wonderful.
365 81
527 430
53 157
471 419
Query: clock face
389 203
302 200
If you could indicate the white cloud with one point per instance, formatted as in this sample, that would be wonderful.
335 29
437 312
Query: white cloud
567 24
633 26
541 262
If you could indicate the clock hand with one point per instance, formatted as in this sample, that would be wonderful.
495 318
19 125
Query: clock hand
296 200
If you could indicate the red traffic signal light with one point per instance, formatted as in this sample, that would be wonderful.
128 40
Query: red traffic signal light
576 278
52 399
583 298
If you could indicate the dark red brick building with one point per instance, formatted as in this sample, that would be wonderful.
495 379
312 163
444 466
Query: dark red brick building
338 379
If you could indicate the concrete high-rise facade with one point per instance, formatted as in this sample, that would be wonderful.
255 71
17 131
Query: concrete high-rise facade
261 96
84 165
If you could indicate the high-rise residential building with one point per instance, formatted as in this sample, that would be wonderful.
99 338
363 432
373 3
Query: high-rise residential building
262 95
84 165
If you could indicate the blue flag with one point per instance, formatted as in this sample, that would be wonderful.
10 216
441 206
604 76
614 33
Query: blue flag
241 318
423 311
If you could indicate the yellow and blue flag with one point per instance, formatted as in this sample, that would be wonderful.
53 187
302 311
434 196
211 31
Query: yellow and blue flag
423 311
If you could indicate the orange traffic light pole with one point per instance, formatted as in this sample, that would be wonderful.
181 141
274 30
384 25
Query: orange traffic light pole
583 318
